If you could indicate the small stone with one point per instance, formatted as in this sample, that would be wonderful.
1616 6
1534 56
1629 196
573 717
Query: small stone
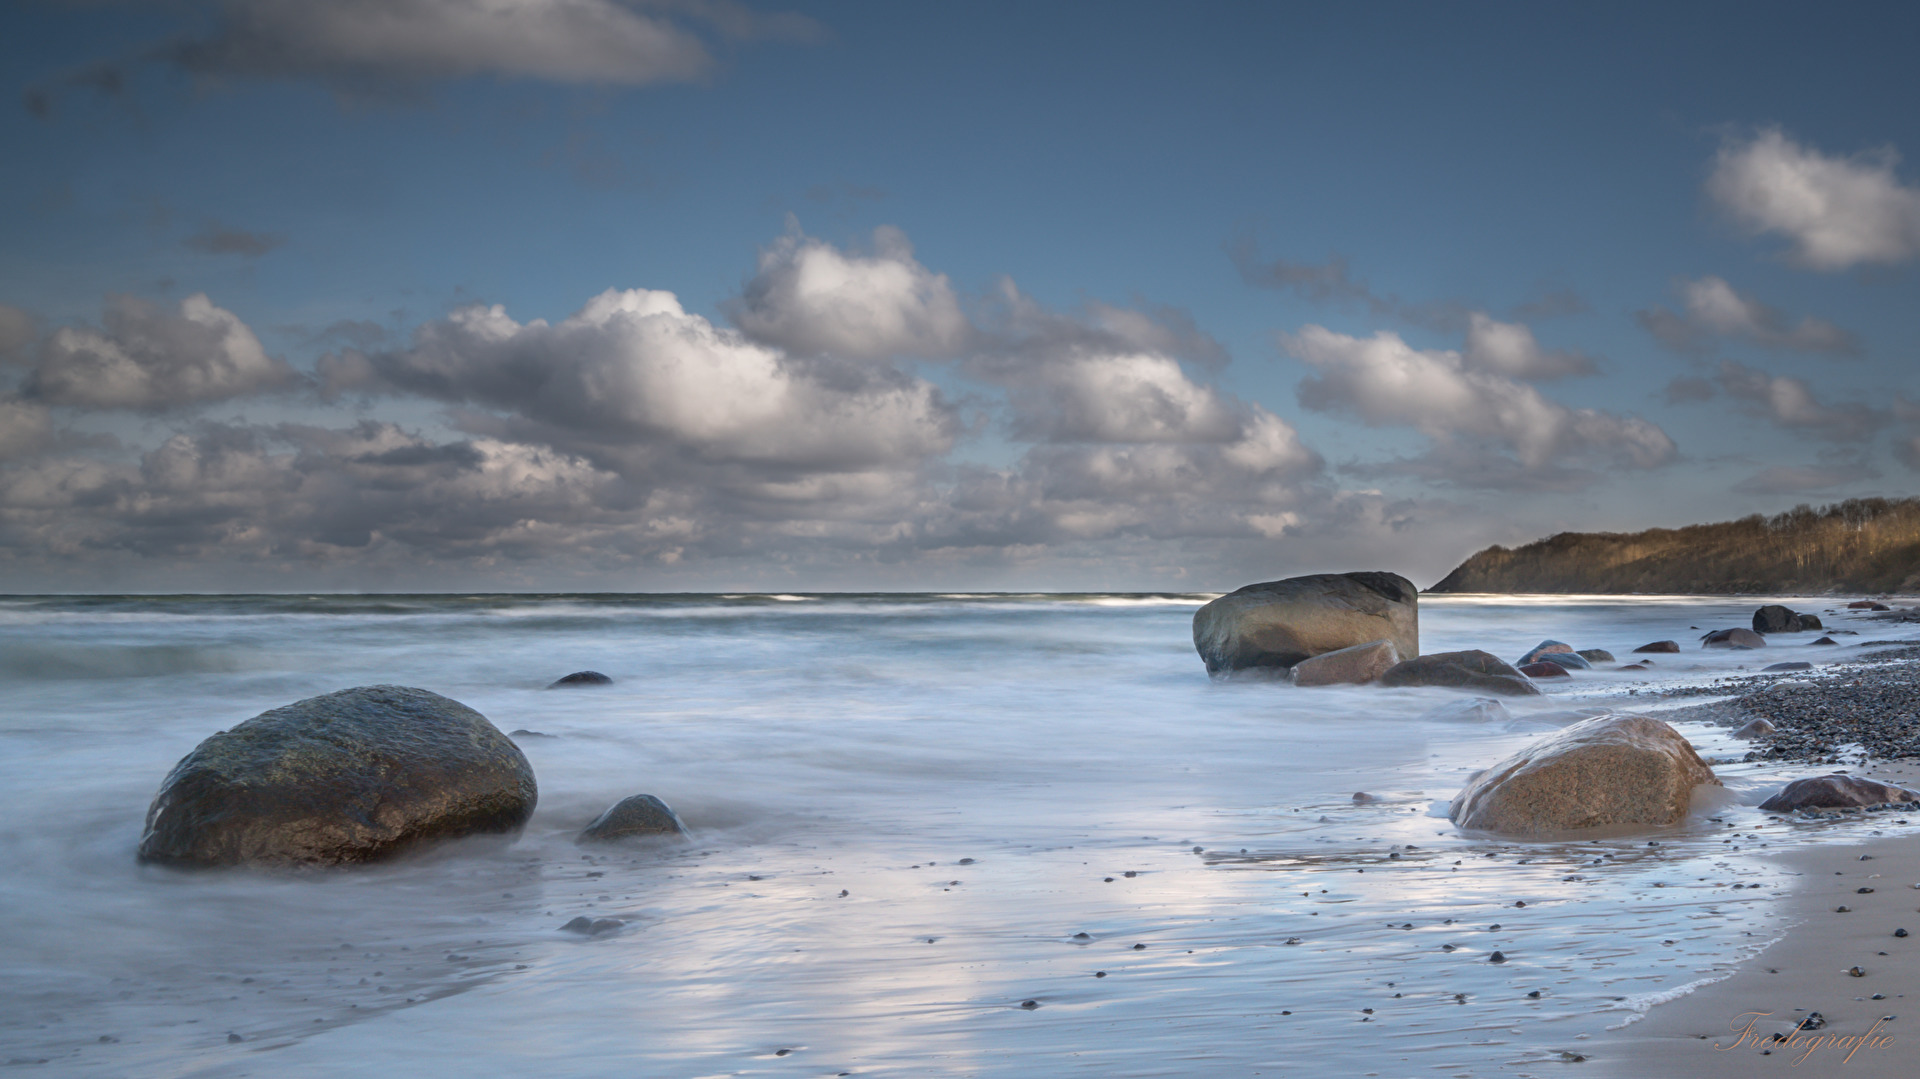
1843 909
234 1039
1099 973
1899 932
1029 1004
1083 936
1130 873
1139 947
1863 891
1535 994
581 678
966 861
1497 957
1856 972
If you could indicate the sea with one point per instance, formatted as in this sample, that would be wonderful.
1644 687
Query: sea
946 835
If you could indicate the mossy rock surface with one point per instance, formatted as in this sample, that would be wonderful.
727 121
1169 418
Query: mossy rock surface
353 776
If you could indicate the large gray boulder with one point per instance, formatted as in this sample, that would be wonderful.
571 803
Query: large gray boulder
352 776
1482 672
1608 770
1279 623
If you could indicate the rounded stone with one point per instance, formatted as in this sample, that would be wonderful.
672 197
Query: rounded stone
352 776
1276 624
1471 669
1608 770
639 815
581 678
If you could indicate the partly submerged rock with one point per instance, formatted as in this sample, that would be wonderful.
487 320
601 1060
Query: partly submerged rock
1608 770
640 815
1754 730
1572 661
1277 624
345 777
1357 665
1836 791
1542 650
1824 640
1471 669
1659 646
1544 669
1474 709
1776 618
581 678
1790 665
1733 638
1595 655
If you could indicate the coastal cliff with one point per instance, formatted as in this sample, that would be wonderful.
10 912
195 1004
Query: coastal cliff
1863 545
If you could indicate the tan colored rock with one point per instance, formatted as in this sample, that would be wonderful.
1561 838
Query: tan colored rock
1277 624
1608 770
1754 730
1358 665
1471 669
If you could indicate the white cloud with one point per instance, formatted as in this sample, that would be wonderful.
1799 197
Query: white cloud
151 359
632 368
1714 307
1836 212
1386 382
1802 479
809 297
17 331
1792 403
405 41
24 428
1510 349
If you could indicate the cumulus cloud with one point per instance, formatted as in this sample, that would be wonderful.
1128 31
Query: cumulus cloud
810 297
1907 449
1383 381
151 359
1510 349
1715 308
632 368
1791 403
24 428
1835 212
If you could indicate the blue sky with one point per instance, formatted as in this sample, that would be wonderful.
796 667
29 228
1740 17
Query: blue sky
984 296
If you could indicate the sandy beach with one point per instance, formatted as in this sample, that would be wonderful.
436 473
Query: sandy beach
1840 961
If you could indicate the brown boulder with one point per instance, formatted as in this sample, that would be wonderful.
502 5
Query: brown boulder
1472 669
1758 728
1659 646
1862 605
1358 665
1608 770
1733 638
1277 624
1544 669
1836 791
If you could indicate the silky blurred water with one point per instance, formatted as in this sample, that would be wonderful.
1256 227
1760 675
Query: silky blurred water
1240 909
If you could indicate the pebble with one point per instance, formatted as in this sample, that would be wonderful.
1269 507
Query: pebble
1497 957
1029 1004
1899 932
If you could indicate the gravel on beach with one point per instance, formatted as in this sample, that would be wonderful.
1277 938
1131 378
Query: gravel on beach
1873 703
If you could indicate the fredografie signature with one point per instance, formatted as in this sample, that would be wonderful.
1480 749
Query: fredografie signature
1803 1038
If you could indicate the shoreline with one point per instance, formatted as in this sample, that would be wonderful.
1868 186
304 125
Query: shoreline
1733 1026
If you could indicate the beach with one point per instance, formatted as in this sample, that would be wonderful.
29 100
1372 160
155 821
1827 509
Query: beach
952 834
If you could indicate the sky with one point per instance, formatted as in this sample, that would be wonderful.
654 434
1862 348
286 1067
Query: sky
699 295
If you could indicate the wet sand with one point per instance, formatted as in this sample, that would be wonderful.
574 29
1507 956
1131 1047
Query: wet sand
1728 1028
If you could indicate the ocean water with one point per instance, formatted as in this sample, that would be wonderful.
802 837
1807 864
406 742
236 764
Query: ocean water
987 835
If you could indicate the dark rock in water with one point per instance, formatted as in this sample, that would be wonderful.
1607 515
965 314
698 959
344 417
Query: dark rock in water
1774 618
1611 769
1756 729
1862 605
1790 665
1836 791
1477 709
1472 669
1733 638
346 777
582 678
524 733
1544 669
1542 650
1595 655
592 927
642 814
1826 640
1277 624
1659 646
1360 797
1879 607
1632 667
1572 661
